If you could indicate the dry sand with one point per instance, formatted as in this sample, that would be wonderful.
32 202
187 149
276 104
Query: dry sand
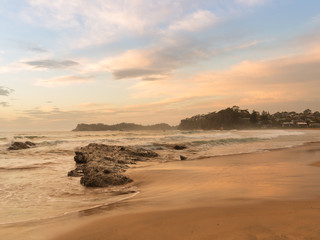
270 195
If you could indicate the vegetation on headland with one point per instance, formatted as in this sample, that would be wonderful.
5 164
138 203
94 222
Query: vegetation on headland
229 118
236 118
121 127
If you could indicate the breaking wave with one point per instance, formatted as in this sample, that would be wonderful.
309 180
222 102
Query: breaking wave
227 141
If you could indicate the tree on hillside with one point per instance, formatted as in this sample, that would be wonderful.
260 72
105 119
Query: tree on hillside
254 117
264 118
307 112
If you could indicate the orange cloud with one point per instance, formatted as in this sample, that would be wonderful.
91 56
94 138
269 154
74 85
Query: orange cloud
281 80
63 81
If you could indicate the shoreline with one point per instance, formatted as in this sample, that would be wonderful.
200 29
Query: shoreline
177 194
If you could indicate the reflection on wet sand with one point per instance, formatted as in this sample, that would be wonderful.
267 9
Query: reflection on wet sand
279 174
269 195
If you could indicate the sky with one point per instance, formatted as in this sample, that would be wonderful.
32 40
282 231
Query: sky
146 61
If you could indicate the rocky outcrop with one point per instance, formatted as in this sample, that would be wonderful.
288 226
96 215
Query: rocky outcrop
102 165
21 145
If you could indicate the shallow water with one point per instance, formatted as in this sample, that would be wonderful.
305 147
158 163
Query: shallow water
34 183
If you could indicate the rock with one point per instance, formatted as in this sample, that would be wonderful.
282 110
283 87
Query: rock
179 147
21 145
78 172
182 157
30 144
80 158
101 165
102 176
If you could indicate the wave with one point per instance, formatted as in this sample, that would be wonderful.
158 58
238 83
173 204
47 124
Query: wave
214 136
115 198
29 137
53 143
26 167
271 134
227 141
239 134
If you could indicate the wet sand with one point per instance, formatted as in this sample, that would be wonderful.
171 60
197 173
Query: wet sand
270 195
270 220
267 195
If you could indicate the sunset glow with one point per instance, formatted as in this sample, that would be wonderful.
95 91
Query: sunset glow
77 61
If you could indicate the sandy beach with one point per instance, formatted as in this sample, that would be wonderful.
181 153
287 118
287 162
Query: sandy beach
265 195
266 198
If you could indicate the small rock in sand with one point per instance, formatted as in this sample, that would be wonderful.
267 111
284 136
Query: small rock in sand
182 157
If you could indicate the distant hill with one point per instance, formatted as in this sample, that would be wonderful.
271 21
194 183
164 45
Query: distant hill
121 127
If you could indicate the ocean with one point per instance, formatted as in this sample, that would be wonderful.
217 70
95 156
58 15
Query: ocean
34 184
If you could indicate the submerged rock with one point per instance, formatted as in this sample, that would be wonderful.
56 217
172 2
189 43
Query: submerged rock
102 165
21 145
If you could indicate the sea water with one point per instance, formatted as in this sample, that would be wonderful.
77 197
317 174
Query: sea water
34 183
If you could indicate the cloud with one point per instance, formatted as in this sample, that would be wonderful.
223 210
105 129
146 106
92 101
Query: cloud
187 40
278 84
251 2
145 74
31 47
4 104
16 67
63 81
160 60
5 91
95 22
157 61
52 64
274 82
194 22
174 32
37 49
89 23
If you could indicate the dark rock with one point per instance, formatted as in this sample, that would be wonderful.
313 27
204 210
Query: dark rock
102 176
78 172
102 165
179 147
182 157
21 145
30 144
80 158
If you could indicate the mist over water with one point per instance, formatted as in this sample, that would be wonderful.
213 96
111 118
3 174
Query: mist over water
34 183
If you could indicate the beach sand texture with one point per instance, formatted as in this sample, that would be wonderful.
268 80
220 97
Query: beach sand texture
267 195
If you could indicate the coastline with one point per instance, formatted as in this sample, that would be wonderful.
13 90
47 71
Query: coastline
176 202
247 196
